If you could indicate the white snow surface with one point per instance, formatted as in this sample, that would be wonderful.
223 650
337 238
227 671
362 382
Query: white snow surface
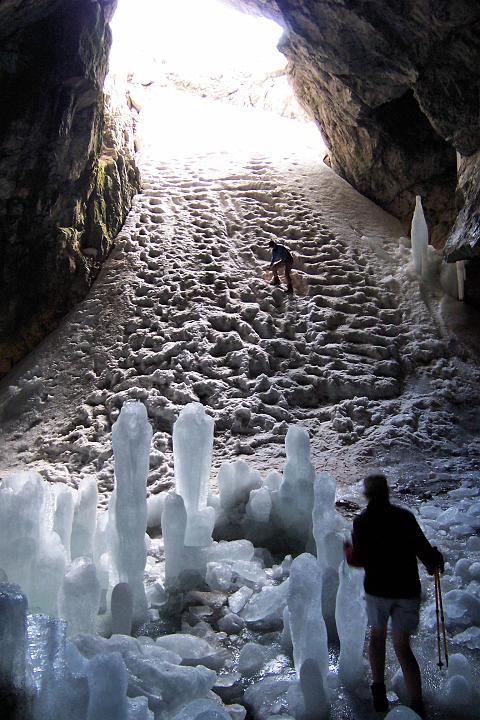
374 362
367 362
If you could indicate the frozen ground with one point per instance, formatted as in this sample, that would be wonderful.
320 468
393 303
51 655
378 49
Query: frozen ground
381 369
368 361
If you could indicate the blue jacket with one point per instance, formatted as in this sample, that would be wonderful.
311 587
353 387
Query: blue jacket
280 253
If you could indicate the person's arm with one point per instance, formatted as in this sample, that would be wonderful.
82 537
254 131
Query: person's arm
353 551
429 555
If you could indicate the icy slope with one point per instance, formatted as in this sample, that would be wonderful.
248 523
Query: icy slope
180 312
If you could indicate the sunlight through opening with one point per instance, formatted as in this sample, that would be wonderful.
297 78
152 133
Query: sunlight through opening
203 77
192 35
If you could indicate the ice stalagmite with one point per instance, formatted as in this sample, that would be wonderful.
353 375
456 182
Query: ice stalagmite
49 569
184 566
192 450
328 541
31 554
292 503
307 626
236 482
63 516
53 686
325 521
351 618
13 644
84 519
79 597
419 237
131 437
122 609
22 503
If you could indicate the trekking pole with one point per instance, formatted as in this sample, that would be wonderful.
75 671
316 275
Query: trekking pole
437 613
442 618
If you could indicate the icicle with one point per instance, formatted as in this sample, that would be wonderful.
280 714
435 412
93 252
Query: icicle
419 236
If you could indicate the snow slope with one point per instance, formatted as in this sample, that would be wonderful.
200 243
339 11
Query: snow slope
369 360
180 312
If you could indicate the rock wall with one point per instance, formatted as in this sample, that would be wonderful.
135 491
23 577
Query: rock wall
66 165
394 88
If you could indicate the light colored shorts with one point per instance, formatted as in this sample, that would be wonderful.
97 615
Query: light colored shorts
405 612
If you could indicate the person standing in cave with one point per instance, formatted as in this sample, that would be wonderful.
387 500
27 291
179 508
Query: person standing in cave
386 542
281 258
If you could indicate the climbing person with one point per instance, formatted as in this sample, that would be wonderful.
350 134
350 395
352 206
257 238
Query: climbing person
386 542
281 257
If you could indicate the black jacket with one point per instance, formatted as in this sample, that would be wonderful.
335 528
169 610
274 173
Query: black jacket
386 541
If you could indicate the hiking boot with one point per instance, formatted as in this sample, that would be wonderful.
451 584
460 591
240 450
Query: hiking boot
379 697
275 281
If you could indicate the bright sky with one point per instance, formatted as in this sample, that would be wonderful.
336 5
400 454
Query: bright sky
205 33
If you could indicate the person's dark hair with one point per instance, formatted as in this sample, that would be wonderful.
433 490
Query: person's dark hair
376 487
272 243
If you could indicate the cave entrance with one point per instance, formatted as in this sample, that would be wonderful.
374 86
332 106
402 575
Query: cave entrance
190 65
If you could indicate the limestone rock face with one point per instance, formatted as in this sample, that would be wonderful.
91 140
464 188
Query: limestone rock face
63 194
394 89
464 240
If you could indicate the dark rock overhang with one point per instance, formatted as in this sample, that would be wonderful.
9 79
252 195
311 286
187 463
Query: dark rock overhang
367 70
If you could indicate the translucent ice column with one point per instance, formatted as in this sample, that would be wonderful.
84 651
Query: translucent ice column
63 515
31 554
131 437
419 237
22 503
293 502
184 566
351 620
13 625
79 597
46 649
307 626
84 518
192 450
329 543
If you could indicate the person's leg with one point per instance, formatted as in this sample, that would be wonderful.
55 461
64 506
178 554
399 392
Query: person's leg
411 671
376 653
405 618
275 268
288 267
378 614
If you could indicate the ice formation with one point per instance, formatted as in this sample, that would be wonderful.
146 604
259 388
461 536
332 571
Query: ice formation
79 597
13 658
351 621
401 712
292 502
31 553
307 627
419 237
217 614
127 521
84 519
192 448
329 544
